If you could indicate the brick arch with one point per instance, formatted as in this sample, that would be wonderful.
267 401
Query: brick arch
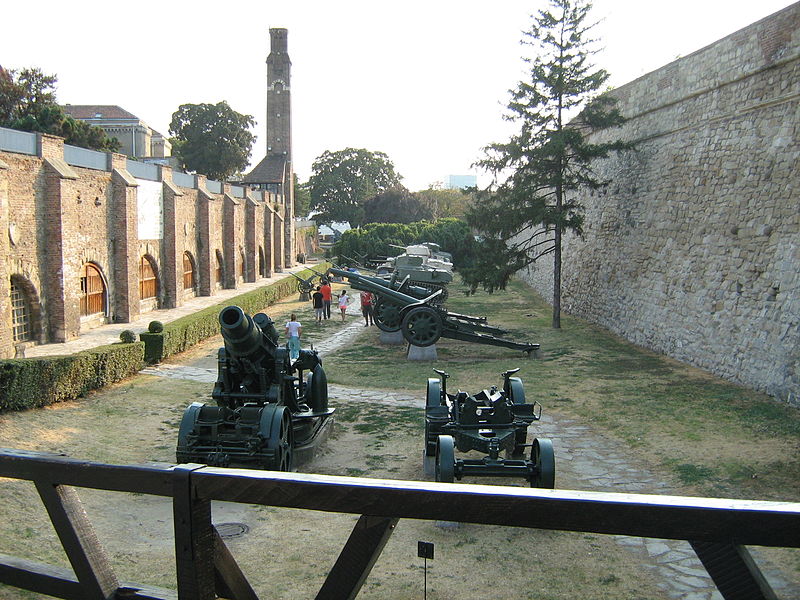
32 307
190 280
94 290
149 282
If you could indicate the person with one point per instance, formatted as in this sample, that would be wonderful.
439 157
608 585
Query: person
367 300
344 300
326 298
319 307
293 331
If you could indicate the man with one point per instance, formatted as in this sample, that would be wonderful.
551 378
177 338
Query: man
325 289
367 300
319 307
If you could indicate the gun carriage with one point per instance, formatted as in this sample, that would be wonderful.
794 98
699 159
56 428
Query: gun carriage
423 322
491 421
306 286
266 413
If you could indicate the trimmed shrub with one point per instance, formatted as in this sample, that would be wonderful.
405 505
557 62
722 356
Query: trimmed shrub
155 327
35 382
127 337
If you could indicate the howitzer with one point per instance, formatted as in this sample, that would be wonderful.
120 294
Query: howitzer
491 421
306 286
266 414
421 321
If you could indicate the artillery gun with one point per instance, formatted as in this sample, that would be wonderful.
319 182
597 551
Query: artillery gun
490 422
421 320
306 286
266 413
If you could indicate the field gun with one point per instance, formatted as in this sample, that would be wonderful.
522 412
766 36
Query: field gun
490 422
266 413
306 286
423 322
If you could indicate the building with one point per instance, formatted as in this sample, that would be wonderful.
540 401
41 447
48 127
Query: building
275 174
137 139
455 182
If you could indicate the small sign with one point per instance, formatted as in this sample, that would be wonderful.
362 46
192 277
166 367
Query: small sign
425 550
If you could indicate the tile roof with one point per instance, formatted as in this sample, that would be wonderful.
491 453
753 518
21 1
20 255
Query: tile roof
90 111
269 170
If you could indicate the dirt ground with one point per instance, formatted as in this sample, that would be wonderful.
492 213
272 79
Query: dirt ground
286 553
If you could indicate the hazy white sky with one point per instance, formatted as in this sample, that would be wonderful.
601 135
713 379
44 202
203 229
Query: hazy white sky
424 81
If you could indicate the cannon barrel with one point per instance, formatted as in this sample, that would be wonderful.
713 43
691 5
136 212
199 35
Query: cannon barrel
245 335
371 284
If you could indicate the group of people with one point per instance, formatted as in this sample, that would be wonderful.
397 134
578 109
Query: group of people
321 300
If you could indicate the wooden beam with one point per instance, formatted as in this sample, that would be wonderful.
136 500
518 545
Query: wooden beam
194 539
230 581
84 551
734 571
740 522
357 558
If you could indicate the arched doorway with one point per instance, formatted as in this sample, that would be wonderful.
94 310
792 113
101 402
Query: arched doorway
242 266
189 274
94 294
262 265
148 283
219 273
26 312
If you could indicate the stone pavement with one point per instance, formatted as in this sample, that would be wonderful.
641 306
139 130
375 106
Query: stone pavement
109 334
584 458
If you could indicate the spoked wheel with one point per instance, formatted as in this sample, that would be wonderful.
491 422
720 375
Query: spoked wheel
386 314
445 459
281 439
422 326
544 464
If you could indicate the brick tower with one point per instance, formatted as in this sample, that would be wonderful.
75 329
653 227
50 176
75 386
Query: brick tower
275 173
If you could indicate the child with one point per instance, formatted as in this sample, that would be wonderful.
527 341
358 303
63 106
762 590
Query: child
344 300
293 331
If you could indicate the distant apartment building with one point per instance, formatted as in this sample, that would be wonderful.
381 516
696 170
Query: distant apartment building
455 182
137 139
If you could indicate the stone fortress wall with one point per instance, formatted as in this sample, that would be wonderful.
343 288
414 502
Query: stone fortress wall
694 249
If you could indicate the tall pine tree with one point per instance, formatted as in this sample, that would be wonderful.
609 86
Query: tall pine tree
537 173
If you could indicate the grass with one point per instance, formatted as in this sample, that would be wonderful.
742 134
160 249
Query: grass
712 437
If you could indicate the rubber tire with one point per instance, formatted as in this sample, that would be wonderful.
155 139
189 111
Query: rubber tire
422 326
386 315
544 462
445 459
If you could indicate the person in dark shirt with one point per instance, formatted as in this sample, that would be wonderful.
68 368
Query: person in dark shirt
319 307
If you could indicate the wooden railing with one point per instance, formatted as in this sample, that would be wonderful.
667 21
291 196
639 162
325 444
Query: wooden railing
718 530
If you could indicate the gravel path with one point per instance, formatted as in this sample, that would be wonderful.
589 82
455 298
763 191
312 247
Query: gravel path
584 458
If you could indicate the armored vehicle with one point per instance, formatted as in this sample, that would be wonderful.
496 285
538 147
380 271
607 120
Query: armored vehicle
424 264
266 413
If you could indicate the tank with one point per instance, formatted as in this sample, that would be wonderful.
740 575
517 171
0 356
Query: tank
426 265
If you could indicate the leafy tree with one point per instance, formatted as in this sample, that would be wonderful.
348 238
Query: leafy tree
443 202
541 168
376 240
28 103
302 198
344 180
212 139
395 205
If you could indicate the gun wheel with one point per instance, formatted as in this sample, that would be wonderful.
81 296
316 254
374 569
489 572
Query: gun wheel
422 326
445 459
386 314
544 464
280 440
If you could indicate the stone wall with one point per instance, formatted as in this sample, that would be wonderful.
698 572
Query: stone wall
694 249
56 217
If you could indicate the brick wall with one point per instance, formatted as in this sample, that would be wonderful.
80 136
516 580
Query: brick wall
55 218
694 250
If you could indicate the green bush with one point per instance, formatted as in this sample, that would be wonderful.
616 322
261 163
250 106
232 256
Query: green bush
183 333
155 327
127 337
34 382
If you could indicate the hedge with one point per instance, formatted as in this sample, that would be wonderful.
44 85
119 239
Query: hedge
181 334
34 382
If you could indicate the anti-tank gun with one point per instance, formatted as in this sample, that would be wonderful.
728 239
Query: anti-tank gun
306 286
421 321
491 421
266 414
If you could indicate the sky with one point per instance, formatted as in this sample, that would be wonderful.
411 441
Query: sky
424 81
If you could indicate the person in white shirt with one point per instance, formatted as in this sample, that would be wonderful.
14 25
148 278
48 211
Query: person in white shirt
293 331
344 300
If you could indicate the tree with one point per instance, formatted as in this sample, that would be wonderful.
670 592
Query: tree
540 169
302 198
28 103
443 202
344 180
395 205
212 139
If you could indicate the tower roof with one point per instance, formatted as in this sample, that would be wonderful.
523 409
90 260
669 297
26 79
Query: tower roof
269 170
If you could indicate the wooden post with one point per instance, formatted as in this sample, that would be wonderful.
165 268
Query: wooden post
194 538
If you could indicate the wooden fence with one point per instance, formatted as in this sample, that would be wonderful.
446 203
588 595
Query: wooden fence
718 530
